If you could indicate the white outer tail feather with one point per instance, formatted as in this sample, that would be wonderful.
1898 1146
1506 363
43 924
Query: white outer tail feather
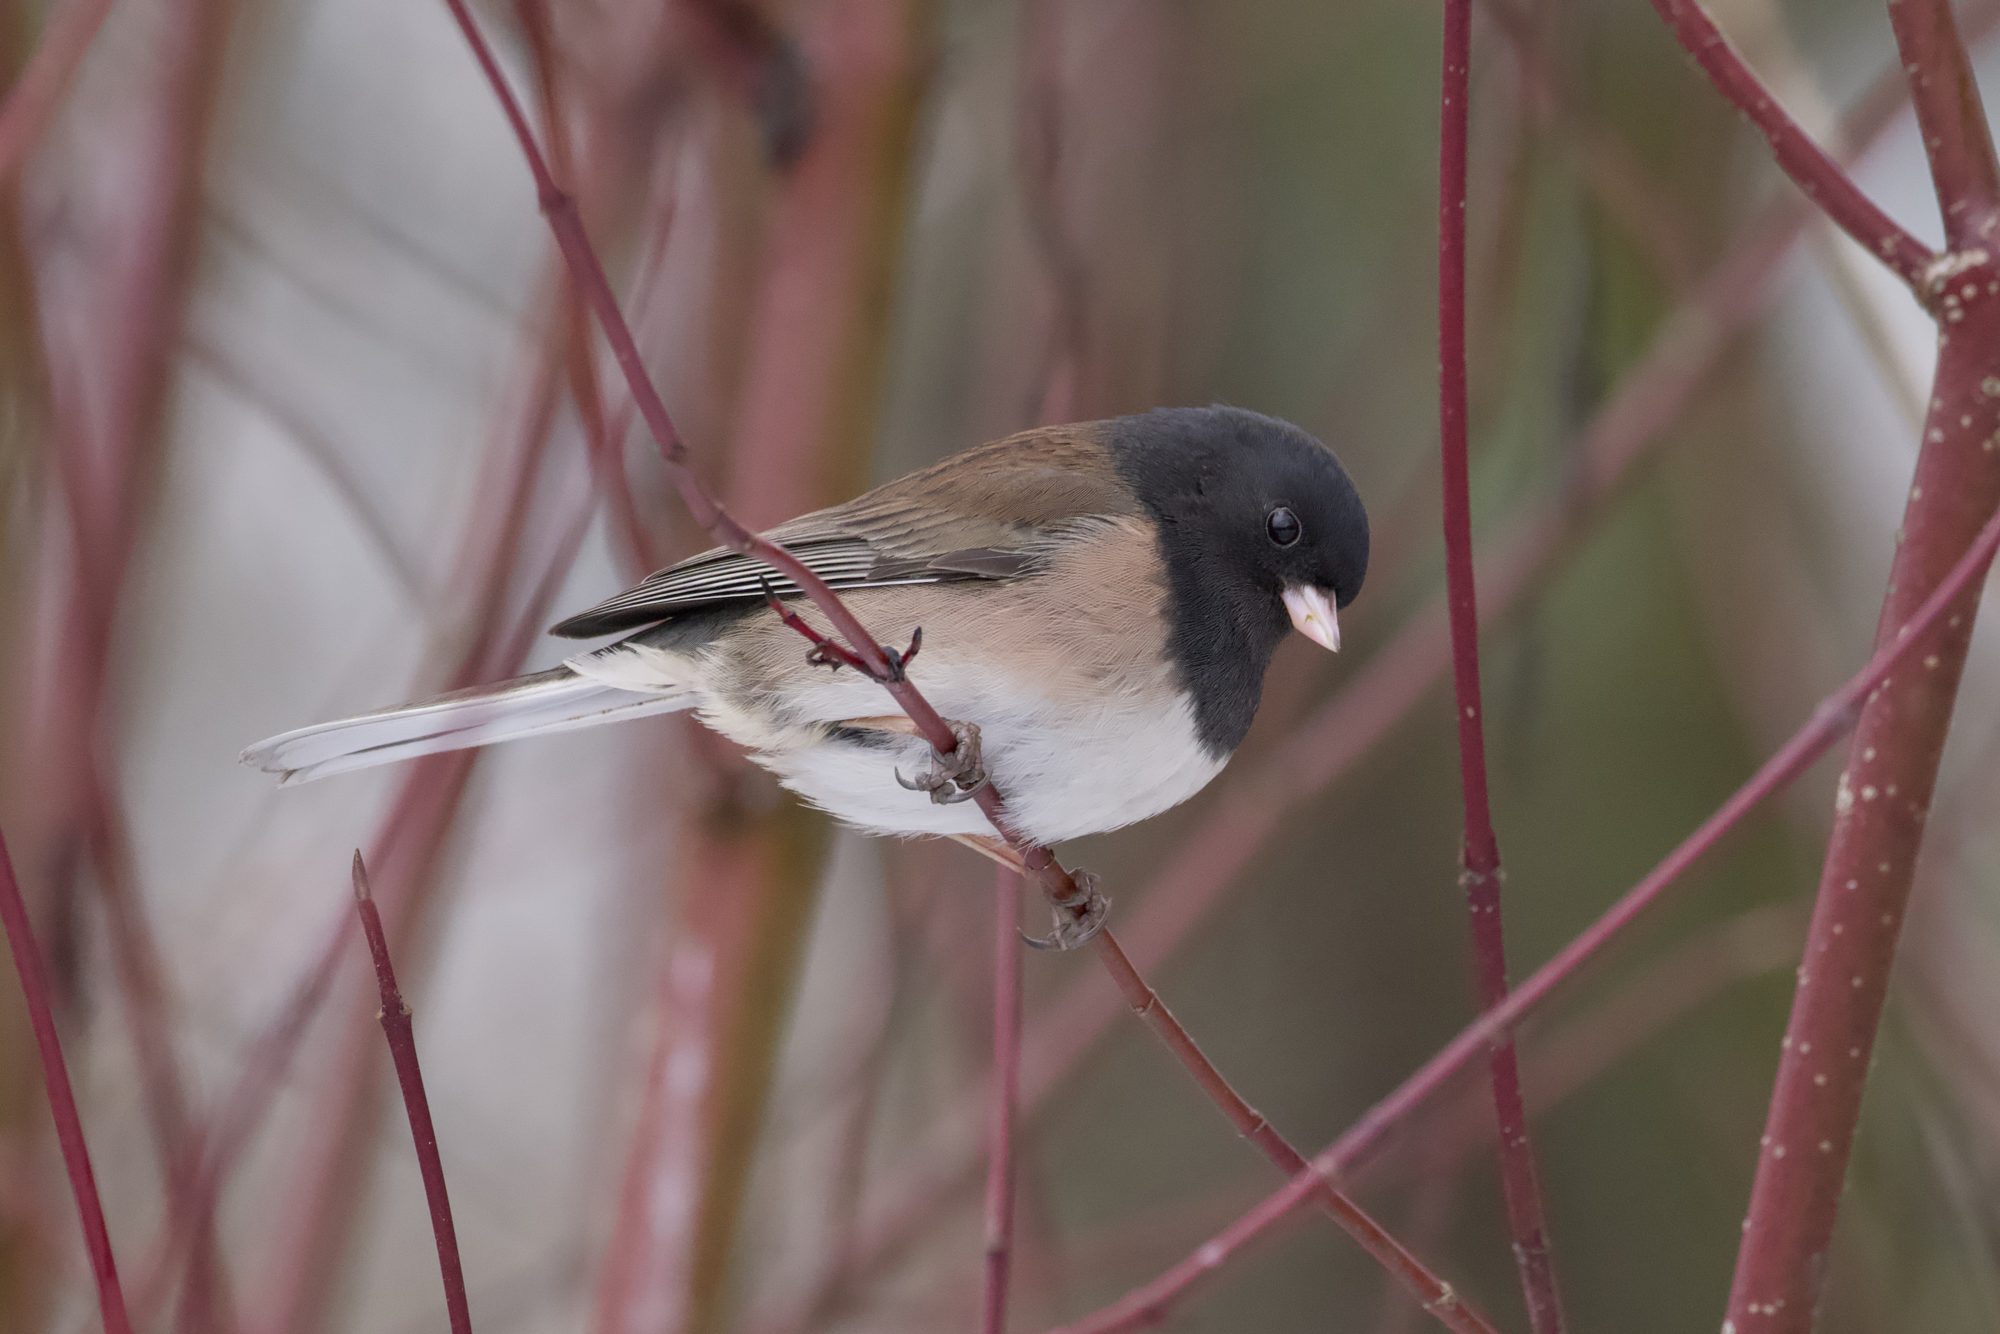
537 705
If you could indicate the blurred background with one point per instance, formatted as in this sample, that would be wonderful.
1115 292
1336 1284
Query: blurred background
296 420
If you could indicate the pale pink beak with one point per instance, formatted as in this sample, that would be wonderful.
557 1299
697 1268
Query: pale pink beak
1313 616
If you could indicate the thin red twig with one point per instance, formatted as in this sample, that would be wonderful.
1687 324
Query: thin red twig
1481 875
1005 1091
1829 721
1884 797
62 1098
1824 180
396 1028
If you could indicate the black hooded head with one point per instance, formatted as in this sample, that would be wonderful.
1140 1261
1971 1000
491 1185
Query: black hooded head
1249 508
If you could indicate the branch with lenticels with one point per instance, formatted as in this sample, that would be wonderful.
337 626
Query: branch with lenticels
1080 908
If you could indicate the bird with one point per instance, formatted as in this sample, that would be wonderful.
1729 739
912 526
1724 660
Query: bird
1096 604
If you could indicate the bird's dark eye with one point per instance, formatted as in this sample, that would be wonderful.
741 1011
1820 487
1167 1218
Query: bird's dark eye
1283 526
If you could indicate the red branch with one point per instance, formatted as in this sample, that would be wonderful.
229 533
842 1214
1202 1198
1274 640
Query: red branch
62 1097
1480 852
1005 1091
395 1017
1824 181
1886 786
1833 717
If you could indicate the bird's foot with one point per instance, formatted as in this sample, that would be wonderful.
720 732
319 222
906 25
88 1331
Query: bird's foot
1079 915
953 777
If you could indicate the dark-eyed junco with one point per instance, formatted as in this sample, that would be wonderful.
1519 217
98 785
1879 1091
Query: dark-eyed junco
1098 603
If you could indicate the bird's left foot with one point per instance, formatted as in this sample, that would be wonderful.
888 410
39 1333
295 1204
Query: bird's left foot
955 777
1079 916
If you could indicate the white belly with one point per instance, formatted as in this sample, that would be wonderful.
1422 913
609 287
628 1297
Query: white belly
1064 773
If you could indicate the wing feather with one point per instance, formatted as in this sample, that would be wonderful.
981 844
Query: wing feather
995 512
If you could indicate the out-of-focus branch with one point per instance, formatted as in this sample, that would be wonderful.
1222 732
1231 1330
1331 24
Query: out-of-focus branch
1884 797
1038 142
1480 851
1565 1058
1824 180
109 322
805 433
1004 1093
62 1097
1835 714
229 1128
402 1039
604 435
1436 1296
31 103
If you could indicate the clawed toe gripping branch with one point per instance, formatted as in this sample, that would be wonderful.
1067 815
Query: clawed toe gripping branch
1078 917
834 655
955 775
957 772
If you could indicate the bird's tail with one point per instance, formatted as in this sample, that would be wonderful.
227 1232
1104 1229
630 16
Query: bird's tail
558 700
